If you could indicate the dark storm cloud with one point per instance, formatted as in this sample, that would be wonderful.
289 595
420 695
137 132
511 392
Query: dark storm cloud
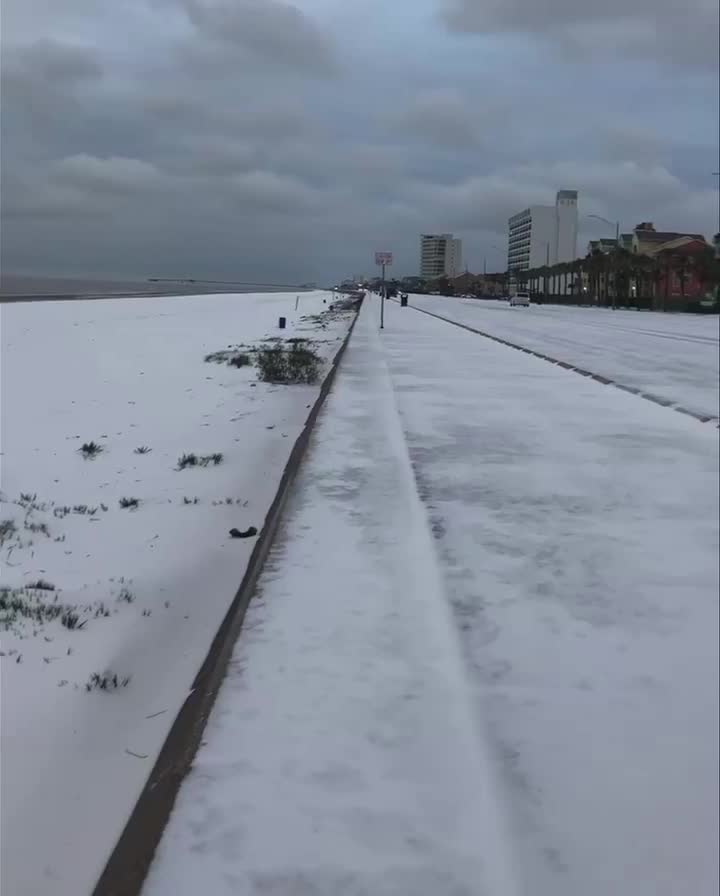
288 140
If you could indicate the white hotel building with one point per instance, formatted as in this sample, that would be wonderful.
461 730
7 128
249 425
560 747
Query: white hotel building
440 255
544 234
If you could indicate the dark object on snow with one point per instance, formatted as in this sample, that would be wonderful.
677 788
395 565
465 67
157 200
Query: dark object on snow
248 533
281 323
403 300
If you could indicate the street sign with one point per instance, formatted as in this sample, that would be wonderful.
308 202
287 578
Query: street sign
383 258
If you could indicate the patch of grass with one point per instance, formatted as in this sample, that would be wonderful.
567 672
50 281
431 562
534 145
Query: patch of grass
90 450
298 364
38 527
126 595
202 460
187 500
18 604
70 620
187 460
106 681
231 356
129 503
142 449
41 585
7 530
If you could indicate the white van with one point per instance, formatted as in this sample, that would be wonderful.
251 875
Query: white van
520 298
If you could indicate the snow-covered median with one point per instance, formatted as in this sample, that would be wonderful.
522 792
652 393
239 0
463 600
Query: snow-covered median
130 450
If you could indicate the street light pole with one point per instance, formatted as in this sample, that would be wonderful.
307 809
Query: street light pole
382 299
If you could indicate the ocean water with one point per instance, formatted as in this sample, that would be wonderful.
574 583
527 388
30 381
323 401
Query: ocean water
21 288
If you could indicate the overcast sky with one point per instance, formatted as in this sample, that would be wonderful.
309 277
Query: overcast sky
287 141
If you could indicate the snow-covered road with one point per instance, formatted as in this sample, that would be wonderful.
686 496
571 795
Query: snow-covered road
484 658
675 357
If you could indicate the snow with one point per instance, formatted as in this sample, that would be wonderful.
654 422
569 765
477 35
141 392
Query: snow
557 732
341 756
675 357
125 373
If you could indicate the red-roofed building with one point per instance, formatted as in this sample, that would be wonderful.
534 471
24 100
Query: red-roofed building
678 277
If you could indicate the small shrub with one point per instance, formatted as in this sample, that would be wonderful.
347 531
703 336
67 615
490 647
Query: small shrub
129 503
90 450
298 364
187 500
143 449
214 459
272 364
239 360
303 365
126 595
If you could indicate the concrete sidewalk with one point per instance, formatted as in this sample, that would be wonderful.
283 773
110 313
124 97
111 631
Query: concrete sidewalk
342 756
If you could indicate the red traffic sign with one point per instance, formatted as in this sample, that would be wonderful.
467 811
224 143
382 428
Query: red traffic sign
383 258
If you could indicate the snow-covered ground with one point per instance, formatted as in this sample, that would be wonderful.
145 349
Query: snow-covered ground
557 733
672 356
141 590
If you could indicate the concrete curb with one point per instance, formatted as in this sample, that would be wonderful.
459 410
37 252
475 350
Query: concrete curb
130 860
648 396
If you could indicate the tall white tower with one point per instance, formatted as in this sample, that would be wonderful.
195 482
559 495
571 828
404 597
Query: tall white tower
566 226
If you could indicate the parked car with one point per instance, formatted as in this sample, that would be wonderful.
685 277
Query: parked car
520 298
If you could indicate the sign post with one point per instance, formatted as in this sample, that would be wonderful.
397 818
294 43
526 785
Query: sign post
383 259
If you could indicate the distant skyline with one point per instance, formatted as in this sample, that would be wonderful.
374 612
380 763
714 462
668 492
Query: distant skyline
287 141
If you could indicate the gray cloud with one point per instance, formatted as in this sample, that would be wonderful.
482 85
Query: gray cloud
665 30
267 28
443 116
49 62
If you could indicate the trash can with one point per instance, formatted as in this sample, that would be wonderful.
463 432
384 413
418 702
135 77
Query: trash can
403 301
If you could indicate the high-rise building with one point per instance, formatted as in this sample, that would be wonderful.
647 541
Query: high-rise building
544 234
440 255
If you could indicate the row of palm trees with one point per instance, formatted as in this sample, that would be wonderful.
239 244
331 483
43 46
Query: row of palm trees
619 275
